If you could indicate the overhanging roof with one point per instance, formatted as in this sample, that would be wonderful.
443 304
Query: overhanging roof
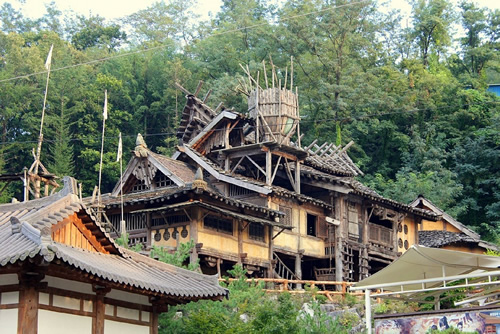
236 215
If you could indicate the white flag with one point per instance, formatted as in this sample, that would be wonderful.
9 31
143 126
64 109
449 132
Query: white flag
105 112
119 154
49 58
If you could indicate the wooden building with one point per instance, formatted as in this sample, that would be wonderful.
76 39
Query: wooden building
60 272
447 232
246 193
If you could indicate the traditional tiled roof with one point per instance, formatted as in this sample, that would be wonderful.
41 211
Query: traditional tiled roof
422 202
166 194
25 233
181 169
438 239
214 208
43 213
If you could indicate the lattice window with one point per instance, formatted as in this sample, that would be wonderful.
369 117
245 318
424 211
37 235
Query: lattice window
218 224
169 220
235 191
140 185
256 232
287 219
133 221
161 181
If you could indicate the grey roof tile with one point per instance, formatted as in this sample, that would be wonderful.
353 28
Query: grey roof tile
124 267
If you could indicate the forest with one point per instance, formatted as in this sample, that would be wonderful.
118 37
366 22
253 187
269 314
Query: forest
411 94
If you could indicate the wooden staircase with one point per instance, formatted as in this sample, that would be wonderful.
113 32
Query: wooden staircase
282 271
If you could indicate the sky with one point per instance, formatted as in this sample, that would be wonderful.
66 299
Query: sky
114 9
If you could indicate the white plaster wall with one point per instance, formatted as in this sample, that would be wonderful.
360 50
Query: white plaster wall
128 297
43 298
114 327
127 313
145 316
60 283
8 321
7 279
66 302
9 297
62 323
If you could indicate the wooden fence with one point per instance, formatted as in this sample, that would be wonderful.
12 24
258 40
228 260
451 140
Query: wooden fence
277 285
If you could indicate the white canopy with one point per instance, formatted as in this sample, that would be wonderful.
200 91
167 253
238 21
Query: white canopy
423 272
423 268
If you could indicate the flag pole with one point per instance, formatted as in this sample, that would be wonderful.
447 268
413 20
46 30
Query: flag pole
119 157
48 62
104 117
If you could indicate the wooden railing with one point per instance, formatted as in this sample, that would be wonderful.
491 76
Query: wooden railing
277 285
381 235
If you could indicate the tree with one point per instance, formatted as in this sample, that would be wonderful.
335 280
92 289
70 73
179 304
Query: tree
479 46
162 22
94 32
431 26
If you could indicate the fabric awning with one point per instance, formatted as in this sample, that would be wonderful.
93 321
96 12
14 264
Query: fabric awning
431 266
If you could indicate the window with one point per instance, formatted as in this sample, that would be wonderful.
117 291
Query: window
140 185
256 232
218 224
352 217
162 181
133 221
235 191
311 224
287 218
169 220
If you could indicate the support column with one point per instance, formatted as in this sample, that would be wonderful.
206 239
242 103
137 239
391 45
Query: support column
99 309
28 310
269 167
29 281
271 252
298 269
193 231
297 177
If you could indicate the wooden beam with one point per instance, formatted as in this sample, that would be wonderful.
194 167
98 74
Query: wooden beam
256 165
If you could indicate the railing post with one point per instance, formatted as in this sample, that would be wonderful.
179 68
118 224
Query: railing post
368 311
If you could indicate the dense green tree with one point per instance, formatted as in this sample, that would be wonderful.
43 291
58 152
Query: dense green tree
92 31
431 27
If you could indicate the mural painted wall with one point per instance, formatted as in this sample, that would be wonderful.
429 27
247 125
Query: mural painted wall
482 322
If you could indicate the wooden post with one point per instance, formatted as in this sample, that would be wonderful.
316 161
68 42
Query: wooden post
28 310
298 269
193 230
240 240
269 167
339 264
297 176
218 267
29 282
271 251
148 229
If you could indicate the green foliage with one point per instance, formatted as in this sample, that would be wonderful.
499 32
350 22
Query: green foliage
388 306
263 313
178 257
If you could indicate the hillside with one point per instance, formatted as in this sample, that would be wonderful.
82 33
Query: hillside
414 100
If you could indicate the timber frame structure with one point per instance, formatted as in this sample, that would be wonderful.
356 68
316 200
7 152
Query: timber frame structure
245 192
